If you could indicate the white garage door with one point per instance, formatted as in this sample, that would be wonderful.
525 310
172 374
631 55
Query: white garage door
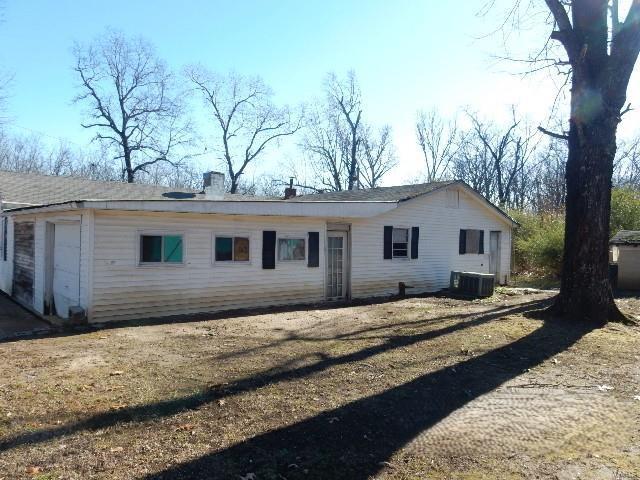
66 267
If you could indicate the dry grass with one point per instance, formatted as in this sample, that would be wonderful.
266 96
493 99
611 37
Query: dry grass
417 388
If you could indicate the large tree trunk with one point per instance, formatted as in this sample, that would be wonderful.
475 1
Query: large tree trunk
585 291
602 60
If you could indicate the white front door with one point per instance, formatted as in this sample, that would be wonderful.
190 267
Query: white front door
494 255
336 264
66 267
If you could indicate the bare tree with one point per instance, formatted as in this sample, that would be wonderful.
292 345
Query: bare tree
626 166
601 50
509 149
548 190
128 92
344 152
327 145
244 117
474 166
439 142
378 156
344 96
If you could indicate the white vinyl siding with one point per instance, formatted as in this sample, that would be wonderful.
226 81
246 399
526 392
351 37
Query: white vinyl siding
438 247
6 268
628 267
85 217
123 291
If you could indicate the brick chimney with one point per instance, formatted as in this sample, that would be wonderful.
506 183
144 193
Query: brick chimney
290 192
213 185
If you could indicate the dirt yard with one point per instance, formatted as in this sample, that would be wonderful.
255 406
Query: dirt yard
417 388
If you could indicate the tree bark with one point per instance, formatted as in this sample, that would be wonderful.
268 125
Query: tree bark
585 291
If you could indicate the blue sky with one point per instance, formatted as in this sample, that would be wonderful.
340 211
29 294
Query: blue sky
407 54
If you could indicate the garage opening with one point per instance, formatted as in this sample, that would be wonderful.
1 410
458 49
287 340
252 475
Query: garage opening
62 288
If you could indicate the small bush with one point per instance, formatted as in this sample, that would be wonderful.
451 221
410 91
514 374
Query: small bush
625 210
539 243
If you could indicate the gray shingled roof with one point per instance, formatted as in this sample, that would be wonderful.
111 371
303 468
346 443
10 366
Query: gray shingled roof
24 189
378 194
626 237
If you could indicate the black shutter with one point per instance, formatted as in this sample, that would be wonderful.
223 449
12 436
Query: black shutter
268 249
314 250
388 242
415 238
462 248
481 244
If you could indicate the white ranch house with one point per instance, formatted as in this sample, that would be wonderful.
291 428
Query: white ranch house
124 251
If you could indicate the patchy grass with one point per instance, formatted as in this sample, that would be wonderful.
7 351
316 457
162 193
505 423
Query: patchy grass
535 280
416 388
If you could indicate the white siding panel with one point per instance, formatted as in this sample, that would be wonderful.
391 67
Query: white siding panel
6 268
438 246
629 267
122 289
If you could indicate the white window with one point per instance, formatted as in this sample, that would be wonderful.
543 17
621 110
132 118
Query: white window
156 248
291 249
229 248
400 242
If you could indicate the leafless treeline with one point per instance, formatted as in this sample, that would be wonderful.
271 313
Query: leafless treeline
143 132
512 163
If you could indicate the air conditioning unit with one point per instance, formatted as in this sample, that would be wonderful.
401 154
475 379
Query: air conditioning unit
472 284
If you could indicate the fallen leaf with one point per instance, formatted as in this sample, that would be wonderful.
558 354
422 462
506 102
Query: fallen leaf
116 449
33 470
186 426
116 372
222 402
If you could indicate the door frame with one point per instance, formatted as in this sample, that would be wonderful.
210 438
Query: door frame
341 230
49 264
498 233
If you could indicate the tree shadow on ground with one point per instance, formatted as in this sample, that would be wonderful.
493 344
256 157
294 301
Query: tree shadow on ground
271 376
354 440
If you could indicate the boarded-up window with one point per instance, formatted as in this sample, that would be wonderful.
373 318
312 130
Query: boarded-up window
232 249
161 249
471 241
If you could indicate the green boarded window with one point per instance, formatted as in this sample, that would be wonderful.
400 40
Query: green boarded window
172 247
234 249
161 249
224 249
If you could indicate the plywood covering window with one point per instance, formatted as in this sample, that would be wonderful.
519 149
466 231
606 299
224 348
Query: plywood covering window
471 241
291 249
400 242
161 249
231 249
